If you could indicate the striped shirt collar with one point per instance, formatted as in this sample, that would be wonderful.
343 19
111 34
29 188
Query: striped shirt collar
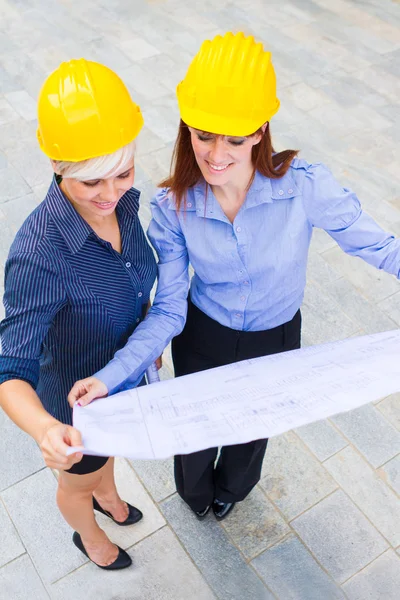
73 228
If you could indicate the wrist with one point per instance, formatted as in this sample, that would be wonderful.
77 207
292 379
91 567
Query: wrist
42 427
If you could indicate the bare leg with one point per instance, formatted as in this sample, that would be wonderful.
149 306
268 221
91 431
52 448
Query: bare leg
74 499
107 496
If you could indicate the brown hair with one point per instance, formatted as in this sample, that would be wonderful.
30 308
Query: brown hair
185 172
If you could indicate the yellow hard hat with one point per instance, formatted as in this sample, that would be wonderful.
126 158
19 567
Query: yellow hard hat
230 87
84 111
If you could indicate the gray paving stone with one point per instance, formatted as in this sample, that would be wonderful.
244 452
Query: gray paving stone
12 215
157 164
293 479
156 120
11 545
161 571
31 504
157 476
16 134
361 311
143 82
367 490
378 581
3 160
148 141
11 185
31 163
132 491
7 113
23 104
391 473
390 408
371 433
322 439
19 581
7 83
25 458
321 241
391 306
347 91
161 66
358 145
105 52
218 560
319 271
375 286
24 72
291 573
323 319
255 524
137 49
40 192
339 536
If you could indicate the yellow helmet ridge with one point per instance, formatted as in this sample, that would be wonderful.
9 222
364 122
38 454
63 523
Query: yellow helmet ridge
230 87
85 111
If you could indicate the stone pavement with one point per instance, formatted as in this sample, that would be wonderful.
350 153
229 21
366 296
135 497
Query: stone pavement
324 522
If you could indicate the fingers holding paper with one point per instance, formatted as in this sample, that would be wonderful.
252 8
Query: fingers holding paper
86 390
55 444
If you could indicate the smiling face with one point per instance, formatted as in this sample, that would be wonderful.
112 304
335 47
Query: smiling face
98 197
224 159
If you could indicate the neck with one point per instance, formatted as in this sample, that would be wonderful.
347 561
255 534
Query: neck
234 191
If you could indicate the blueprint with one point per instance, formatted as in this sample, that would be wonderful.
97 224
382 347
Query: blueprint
243 401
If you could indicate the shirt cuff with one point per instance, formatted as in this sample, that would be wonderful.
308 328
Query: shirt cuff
114 376
26 369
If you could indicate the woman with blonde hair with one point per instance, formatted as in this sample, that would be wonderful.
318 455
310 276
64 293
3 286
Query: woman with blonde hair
242 215
77 283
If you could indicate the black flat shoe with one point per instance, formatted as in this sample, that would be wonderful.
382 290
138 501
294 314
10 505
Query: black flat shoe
222 509
134 516
201 514
122 561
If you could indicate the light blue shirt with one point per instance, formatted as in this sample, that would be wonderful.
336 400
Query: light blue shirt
250 274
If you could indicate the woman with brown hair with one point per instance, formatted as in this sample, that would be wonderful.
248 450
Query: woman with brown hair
242 216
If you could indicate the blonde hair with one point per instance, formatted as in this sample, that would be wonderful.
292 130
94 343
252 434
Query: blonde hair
101 167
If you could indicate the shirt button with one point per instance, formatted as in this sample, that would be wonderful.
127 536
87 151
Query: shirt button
138 320
241 272
239 315
140 294
290 191
238 229
280 192
189 205
243 298
128 264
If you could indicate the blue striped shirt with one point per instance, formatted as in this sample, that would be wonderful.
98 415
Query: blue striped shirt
71 300
250 274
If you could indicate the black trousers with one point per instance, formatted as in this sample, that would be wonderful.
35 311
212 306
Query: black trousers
204 344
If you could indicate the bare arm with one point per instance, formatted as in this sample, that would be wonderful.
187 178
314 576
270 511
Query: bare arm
21 403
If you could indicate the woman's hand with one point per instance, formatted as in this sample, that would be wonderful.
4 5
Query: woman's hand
57 439
158 362
86 390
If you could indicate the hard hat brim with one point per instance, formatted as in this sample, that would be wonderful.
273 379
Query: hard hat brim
220 125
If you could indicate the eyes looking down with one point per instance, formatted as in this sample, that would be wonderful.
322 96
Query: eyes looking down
204 136
93 182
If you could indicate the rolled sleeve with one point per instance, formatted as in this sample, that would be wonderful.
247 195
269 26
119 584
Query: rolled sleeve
166 318
338 211
33 295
